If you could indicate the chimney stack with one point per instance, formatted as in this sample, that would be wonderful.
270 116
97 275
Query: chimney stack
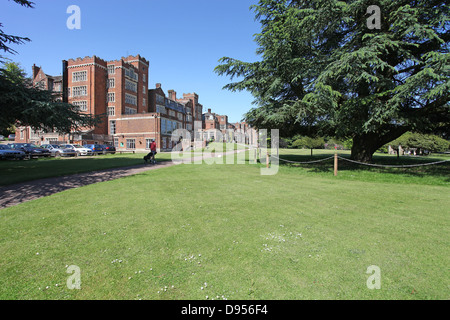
172 95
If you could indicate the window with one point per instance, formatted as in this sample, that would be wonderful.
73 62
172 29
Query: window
79 76
82 105
131 144
172 113
79 91
131 86
159 99
130 110
148 142
111 83
144 78
130 99
143 89
116 142
144 102
111 97
111 111
160 109
111 69
112 127
131 74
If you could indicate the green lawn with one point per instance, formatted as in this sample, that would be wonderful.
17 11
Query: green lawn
19 171
164 233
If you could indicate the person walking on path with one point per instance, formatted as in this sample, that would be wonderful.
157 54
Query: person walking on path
153 152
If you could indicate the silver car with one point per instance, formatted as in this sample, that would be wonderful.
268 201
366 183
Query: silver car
58 151
81 151
8 153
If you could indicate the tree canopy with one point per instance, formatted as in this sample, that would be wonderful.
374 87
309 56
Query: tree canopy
24 105
324 72
415 140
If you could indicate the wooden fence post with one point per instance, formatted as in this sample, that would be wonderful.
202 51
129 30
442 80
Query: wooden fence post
267 159
335 164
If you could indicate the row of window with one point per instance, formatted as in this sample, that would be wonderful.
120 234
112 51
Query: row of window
82 105
130 99
131 143
79 76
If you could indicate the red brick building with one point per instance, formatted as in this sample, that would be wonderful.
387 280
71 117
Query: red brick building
133 115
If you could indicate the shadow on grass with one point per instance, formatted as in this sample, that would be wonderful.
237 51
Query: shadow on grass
12 172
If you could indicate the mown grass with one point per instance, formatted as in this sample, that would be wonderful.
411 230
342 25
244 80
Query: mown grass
20 171
430 175
247 236
12 172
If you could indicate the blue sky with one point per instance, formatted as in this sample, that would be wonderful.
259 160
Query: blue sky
182 39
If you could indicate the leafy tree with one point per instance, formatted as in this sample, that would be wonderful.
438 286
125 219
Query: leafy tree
324 72
23 105
309 143
6 40
422 142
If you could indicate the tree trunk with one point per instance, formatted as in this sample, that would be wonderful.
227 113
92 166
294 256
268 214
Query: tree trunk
365 145
363 149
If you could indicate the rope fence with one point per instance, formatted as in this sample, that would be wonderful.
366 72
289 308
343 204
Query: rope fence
336 158
305 162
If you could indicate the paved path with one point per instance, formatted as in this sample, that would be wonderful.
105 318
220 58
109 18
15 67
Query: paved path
31 190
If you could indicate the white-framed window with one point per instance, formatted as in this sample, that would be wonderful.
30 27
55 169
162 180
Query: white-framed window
111 111
130 99
144 78
144 102
82 105
112 127
130 85
148 142
116 142
111 97
79 91
180 116
143 89
171 113
111 83
131 144
111 69
79 76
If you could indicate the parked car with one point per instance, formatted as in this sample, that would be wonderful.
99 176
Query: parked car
96 148
31 150
57 151
8 153
2 138
12 137
81 151
109 149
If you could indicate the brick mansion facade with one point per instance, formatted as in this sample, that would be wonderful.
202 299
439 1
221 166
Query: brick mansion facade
132 113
